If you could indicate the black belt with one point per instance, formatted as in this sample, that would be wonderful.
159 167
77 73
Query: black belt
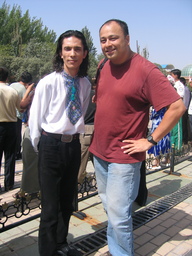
62 137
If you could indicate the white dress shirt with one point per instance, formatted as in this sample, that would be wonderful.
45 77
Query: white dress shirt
48 109
190 106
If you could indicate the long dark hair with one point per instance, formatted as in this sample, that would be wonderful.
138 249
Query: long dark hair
58 61
176 72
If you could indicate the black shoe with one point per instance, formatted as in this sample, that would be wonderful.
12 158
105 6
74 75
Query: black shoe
68 250
8 188
18 156
59 253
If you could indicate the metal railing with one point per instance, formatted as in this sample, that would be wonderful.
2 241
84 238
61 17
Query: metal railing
27 207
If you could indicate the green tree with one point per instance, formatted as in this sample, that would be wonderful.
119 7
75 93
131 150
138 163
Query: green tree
89 40
37 49
28 45
18 29
100 57
169 66
158 65
92 53
25 43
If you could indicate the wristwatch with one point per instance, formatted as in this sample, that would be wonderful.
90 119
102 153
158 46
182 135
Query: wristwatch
150 139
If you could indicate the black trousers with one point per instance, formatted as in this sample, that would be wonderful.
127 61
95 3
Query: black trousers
143 191
185 127
58 166
7 146
19 137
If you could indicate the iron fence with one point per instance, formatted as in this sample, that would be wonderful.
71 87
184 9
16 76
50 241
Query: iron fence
27 207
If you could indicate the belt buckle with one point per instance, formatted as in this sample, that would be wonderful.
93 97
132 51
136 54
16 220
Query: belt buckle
66 138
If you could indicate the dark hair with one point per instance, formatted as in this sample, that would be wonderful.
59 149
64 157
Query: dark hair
121 23
183 80
26 77
176 72
58 61
3 74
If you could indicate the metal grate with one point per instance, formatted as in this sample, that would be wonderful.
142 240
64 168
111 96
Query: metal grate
160 206
93 242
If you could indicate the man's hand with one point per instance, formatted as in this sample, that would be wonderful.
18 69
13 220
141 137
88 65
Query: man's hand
94 99
136 146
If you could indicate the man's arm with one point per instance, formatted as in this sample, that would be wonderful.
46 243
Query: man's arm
27 98
170 119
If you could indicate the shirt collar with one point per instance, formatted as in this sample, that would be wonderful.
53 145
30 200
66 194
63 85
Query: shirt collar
67 76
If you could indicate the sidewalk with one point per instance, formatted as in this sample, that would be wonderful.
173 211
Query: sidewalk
168 234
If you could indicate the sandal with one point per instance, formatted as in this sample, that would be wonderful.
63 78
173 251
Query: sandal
19 194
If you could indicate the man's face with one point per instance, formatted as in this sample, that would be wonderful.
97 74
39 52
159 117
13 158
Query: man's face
174 76
72 54
114 43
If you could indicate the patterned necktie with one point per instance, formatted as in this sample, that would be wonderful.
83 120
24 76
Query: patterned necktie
73 104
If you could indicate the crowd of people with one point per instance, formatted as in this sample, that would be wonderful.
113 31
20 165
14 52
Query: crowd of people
11 119
181 133
68 122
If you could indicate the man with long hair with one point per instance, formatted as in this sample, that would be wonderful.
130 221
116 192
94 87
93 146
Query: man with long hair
56 120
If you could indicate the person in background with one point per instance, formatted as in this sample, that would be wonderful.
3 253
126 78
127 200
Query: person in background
85 139
163 146
30 179
161 151
20 87
127 86
176 74
185 119
9 102
190 111
56 119
177 131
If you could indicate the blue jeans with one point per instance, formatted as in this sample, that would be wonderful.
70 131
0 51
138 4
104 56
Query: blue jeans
118 186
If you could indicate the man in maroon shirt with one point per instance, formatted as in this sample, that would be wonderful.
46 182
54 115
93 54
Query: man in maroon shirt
126 88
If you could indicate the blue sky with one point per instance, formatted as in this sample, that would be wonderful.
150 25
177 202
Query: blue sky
163 26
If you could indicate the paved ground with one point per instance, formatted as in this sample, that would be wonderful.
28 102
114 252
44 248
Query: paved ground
169 234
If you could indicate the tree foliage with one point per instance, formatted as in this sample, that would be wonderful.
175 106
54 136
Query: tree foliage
18 29
28 45
25 43
89 40
92 53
